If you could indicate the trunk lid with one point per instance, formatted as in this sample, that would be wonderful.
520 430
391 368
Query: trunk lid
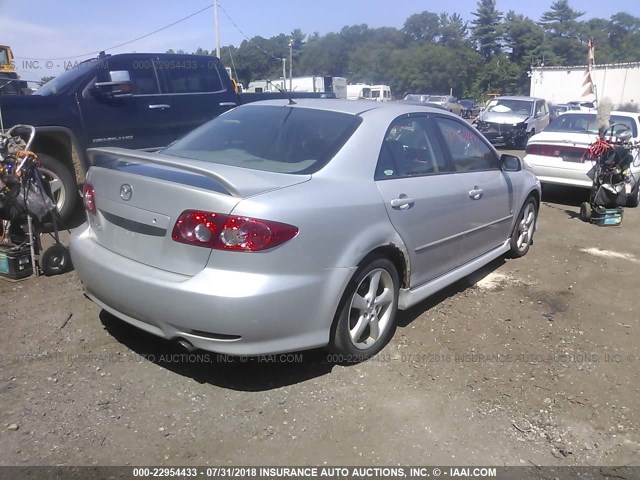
140 195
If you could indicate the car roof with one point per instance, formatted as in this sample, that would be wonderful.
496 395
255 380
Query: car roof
613 112
354 107
515 97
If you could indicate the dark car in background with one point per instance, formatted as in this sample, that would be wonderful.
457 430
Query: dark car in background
470 108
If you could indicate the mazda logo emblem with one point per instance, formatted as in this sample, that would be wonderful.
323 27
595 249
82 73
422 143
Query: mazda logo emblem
125 192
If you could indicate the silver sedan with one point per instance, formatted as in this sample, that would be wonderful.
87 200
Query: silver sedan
282 225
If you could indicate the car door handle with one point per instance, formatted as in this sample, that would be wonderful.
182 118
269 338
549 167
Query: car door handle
476 193
402 202
159 106
228 104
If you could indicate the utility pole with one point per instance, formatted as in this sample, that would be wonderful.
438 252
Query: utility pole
217 26
291 64
284 73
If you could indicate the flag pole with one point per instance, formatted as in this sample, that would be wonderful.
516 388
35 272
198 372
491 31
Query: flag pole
592 61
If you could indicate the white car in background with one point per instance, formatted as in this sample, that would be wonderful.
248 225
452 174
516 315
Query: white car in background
558 155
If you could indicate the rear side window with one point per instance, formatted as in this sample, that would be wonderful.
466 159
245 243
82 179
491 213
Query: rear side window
409 150
284 139
468 151
191 76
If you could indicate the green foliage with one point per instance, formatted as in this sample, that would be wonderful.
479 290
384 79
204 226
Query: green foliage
46 79
561 19
434 53
487 29
423 26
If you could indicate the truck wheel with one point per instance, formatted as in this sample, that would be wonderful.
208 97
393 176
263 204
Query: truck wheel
63 184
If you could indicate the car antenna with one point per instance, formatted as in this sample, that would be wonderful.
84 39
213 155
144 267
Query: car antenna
291 102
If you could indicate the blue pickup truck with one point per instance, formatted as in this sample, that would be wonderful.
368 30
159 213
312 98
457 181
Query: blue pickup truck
137 100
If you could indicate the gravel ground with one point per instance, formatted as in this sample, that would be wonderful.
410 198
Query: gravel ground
530 361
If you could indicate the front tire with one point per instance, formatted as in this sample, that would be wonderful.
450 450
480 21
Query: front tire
63 184
525 139
522 236
366 316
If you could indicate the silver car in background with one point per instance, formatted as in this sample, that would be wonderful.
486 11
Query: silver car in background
283 226
447 102
512 121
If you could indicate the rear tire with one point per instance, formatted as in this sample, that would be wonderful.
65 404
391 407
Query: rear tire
366 316
522 236
63 184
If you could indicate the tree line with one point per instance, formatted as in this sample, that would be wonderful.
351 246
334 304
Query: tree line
436 52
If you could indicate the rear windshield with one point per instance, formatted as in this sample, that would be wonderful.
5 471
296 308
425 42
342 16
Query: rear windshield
436 98
503 105
283 139
414 97
588 123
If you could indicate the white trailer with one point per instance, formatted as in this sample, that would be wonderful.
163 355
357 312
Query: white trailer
364 91
359 91
337 85
620 83
381 93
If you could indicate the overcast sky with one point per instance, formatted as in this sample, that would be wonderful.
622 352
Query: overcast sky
66 30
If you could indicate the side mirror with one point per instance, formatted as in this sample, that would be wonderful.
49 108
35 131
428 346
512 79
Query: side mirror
510 163
119 86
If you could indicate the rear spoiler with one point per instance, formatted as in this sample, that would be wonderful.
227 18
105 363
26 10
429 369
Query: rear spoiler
106 155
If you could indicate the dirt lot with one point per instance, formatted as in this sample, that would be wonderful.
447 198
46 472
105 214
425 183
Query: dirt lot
532 361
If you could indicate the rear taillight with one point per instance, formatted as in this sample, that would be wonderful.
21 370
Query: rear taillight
230 232
544 150
89 198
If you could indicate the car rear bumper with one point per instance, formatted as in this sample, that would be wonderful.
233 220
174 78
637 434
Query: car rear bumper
236 313
557 171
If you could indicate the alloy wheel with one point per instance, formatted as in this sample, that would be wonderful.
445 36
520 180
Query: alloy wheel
525 227
371 308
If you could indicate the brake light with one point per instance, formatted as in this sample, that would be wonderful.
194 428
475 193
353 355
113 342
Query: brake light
230 232
89 198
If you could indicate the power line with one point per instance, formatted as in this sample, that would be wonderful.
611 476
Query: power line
125 43
246 37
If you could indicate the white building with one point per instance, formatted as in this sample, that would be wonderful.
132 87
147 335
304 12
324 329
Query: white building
619 82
